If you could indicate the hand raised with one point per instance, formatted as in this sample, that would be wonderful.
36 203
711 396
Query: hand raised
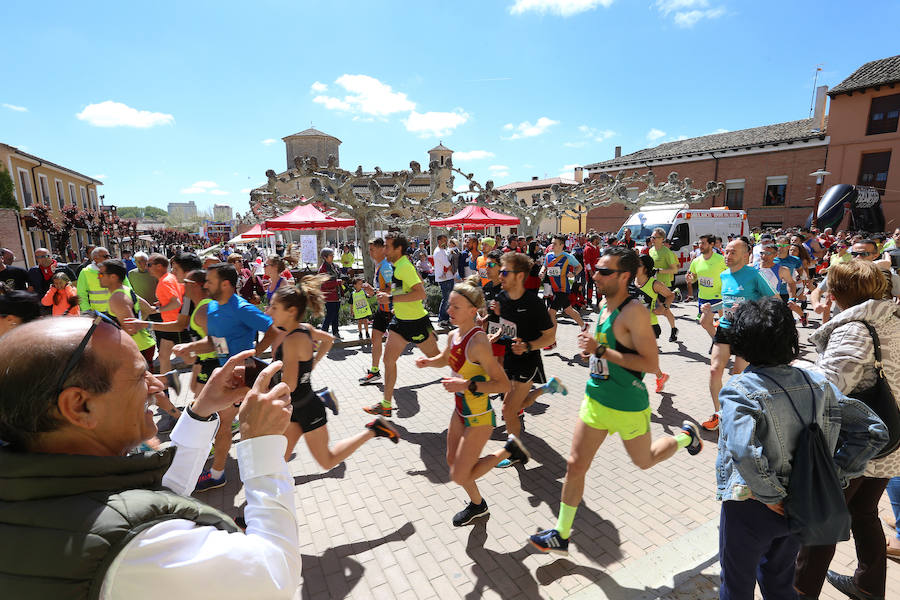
265 411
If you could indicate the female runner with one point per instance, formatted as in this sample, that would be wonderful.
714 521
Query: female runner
649 290
296 351
475 375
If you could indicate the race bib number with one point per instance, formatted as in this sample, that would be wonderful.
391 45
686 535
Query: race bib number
220 344
360 303
705 282
599 368
504 326
482 273
554 271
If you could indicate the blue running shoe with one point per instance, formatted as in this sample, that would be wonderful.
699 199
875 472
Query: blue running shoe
329 400
555 386
550 542
207 482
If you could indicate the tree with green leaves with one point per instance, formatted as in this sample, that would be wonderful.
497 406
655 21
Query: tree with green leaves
7 190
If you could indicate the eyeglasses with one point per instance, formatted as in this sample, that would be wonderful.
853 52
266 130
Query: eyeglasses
492 265
858 254
782 245
79 351
40 256
604 271
504 272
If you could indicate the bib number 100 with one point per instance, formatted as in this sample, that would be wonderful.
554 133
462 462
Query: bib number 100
599 368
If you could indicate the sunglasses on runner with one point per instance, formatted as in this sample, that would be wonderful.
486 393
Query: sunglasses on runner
604 271
79 351
858 254
492 264
504 272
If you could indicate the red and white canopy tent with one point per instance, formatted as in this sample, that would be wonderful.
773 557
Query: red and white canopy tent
473 218
306 216
254 233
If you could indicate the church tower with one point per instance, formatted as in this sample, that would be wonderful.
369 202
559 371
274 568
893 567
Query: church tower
441 155
312 142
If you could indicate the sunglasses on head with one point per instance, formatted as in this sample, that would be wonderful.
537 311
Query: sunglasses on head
79 351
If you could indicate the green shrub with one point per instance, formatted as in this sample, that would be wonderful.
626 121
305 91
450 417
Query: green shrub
432 298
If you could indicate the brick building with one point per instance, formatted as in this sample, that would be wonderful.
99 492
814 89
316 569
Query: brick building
765 171
863 119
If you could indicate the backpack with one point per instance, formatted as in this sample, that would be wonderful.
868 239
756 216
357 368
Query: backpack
815 506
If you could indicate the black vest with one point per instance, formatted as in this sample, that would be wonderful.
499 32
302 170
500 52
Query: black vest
64 518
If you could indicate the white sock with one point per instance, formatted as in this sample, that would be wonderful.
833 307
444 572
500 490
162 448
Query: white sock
216 473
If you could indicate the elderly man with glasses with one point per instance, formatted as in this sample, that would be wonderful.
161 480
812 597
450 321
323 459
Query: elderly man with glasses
821 299
92 518
40 276
92 295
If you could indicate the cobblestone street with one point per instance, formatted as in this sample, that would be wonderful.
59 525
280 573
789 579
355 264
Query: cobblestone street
378 525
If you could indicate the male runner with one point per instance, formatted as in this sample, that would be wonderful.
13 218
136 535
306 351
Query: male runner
231 325
523 326
487 245
621 349
558 264
740 283
705 270
410 323
384 274
666 264
591 256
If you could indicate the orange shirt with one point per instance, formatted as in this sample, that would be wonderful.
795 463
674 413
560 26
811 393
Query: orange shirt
166 289
481 265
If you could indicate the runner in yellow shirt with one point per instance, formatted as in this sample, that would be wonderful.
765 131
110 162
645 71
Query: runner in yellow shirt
705 271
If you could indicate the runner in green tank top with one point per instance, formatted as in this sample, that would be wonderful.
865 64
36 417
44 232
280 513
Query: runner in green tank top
123 305
649 291
621 350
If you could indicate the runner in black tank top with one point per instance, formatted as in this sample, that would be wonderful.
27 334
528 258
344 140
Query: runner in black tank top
300 350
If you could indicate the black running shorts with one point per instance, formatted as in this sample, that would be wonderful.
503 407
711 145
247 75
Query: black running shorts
381 320
524 367
559 301
723 336
308 413
415 331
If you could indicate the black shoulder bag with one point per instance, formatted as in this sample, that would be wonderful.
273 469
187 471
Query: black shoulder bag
880 398
815 506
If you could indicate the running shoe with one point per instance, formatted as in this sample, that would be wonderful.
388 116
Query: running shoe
673 337
689 299
470 513
550 541
712 423
804 322
382 428
517 451
696 444
369 377
329 400
378 409
505 464
550 347
207 482
661 382
556 386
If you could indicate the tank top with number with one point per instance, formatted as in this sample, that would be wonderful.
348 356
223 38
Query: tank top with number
609 384
463 367
648 296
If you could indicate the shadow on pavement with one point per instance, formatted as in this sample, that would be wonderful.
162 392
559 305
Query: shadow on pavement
315 567
668 416
407 400
338 472
503 572
339 354
432 452
683 351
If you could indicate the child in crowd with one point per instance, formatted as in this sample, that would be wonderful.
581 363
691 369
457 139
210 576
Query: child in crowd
62 296
361 309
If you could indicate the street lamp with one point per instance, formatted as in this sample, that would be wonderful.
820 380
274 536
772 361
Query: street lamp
820 178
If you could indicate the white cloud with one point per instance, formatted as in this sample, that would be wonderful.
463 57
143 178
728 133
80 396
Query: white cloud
116 114
100 177
318 86
526 130
499 171
267 142
434 124
598 135
246 190
204 187
563 8
568 171
688 12
655 134
14 107
462 156
367 95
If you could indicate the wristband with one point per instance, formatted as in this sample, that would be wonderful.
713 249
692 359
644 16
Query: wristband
473 386
600 351
197 417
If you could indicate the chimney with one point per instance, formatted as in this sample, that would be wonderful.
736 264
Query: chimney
818 123
579 174
534 178
618 151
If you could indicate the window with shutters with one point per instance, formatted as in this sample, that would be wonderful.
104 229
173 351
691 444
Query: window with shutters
873 170
884 114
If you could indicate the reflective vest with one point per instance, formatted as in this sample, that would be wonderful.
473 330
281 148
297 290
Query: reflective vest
91 295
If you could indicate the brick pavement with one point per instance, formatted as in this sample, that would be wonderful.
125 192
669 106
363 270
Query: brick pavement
378 525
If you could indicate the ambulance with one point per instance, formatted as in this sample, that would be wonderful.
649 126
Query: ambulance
684 226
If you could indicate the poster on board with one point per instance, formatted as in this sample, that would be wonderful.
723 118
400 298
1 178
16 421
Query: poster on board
308 251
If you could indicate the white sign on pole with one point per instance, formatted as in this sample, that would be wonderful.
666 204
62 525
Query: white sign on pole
308 251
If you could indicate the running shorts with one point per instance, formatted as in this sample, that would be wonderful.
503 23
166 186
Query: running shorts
628 424
176 337
657 330
524 367
559 301
207 366
723 336
308 413
415 331
380 320
475 410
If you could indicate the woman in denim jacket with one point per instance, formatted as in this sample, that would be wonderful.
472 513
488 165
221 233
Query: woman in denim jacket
757 438
847 359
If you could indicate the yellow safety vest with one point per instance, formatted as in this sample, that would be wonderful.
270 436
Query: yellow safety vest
92 296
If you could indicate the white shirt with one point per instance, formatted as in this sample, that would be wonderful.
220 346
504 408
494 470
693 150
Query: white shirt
180 559
442 266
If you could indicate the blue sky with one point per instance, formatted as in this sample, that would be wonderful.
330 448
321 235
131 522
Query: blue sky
177 101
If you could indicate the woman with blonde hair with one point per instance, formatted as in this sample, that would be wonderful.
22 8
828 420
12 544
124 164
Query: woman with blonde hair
301 348
847 359
475 375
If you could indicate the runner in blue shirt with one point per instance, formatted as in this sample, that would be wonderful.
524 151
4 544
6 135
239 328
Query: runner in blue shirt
231 325
384 274
740 283
558 264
